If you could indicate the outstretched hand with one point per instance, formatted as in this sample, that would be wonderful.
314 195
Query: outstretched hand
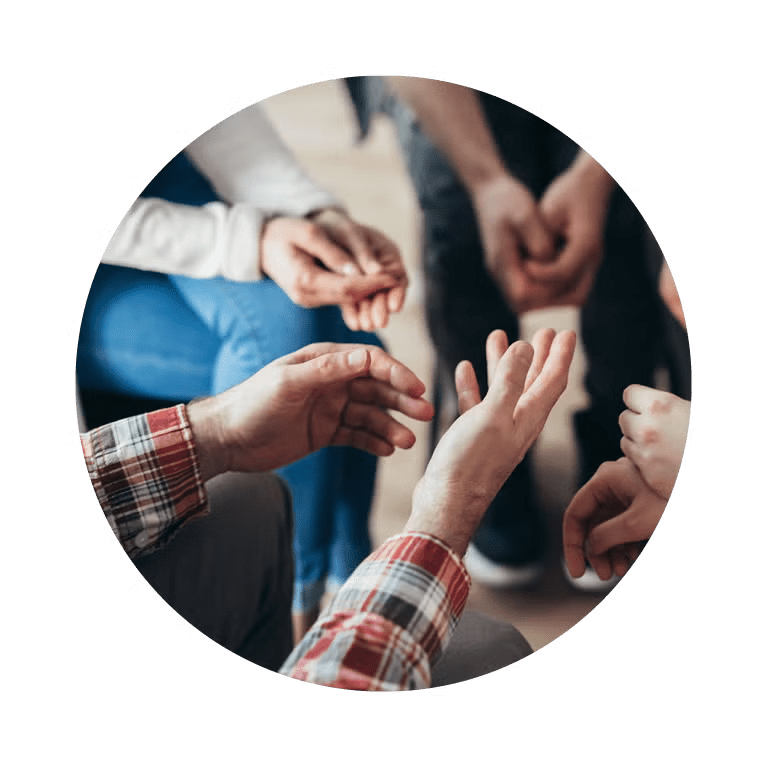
608 518
324 394
484 445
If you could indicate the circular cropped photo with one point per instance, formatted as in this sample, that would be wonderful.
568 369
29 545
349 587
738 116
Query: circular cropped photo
384 383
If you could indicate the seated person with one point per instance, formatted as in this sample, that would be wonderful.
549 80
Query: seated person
394 617
237 258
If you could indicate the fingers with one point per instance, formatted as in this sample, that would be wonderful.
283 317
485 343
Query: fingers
350 314
541 344
346 436
323 288
379 311
495 347
334 367
537 240
630 424
466 386
371 392
575 527
396 298
635 524
639 398
510 374
378 423
631 450
313 239
548 386
385 368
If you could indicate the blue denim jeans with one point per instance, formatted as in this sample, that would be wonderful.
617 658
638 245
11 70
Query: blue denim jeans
177 338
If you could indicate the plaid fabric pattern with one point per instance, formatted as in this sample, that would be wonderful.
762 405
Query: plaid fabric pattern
390 622
145 474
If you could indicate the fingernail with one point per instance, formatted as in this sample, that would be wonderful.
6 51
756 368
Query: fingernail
356 359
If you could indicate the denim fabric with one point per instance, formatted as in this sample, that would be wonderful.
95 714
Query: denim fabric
622 326
176 338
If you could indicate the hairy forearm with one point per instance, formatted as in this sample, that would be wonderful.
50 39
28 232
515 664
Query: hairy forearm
452 116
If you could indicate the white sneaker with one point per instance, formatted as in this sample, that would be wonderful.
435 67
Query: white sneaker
590 582
497 576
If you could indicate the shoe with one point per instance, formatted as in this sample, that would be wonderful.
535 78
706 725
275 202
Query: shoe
590 582
495 575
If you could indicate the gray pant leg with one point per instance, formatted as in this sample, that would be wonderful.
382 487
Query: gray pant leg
479 646
230 574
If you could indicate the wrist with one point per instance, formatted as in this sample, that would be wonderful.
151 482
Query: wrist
446 514
213 454
486 177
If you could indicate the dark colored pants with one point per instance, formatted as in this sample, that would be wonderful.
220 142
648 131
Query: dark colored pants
230 575
622 324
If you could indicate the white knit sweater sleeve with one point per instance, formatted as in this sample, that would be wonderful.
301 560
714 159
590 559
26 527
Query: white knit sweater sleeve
246 161
206 241
250 168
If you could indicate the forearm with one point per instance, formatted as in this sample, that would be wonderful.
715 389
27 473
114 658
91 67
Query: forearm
390 622
452 116
196 241
245 160
146 476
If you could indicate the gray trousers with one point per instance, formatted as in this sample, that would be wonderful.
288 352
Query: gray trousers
230 575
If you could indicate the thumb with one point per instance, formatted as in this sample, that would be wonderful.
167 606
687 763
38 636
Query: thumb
335 367
631 526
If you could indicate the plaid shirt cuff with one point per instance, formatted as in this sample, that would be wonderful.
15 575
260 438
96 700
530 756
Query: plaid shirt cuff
390 622
145 473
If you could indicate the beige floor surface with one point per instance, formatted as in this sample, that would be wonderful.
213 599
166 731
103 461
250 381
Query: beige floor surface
316 121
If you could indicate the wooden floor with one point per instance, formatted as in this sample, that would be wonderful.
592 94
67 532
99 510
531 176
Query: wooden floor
316 121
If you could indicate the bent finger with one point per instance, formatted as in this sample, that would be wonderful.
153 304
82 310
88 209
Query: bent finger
368 391
378 423
347 436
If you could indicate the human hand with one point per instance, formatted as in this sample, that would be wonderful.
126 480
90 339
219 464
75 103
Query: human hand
655 431
484 445
608 518
574 207
374 253
302 258
324 394
513 232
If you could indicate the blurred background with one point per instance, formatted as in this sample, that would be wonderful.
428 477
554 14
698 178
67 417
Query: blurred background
317 122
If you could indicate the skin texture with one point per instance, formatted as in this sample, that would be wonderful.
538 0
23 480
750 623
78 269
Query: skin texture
655 431
324 394
484 445
329 259
574 208
539 253
607 519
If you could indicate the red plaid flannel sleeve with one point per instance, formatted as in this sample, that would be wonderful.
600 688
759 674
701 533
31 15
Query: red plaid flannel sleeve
146 476
390 622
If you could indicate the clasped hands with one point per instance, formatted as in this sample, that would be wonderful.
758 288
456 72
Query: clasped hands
328 258
544 253
341 394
